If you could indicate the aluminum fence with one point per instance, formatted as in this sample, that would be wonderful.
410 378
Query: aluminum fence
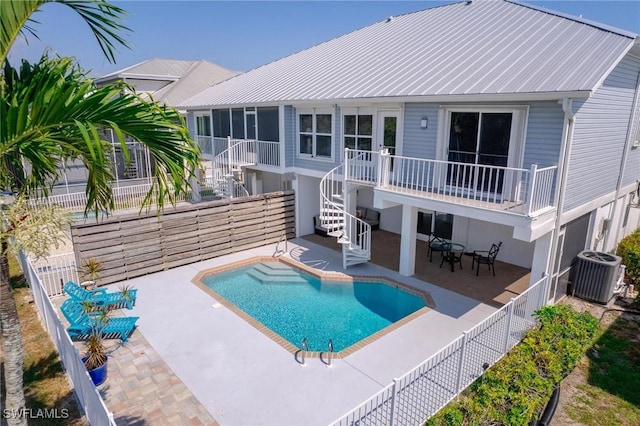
88 396
56 270
124 197
423 391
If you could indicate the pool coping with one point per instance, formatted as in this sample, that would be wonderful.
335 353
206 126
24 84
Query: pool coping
322 275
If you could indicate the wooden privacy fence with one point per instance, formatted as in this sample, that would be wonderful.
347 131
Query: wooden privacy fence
134 245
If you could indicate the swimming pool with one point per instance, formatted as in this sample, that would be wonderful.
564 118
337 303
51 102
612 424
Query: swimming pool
297 305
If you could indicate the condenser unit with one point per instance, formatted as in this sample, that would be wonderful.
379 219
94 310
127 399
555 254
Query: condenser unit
596 275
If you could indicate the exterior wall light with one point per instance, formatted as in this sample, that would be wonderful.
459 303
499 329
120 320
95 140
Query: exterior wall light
424 122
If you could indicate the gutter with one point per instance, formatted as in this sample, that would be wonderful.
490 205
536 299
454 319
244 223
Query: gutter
623 164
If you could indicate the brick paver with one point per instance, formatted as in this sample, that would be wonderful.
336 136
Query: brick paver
142 389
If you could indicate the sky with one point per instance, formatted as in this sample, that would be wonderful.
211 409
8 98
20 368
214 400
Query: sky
242 35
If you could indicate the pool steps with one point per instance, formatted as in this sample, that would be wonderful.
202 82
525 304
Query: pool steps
274 272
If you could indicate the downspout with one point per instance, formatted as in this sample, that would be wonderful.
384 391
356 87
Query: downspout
623 164
563 171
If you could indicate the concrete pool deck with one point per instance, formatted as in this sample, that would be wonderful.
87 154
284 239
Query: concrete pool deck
242 377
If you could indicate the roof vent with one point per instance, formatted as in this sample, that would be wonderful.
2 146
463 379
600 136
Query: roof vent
389 19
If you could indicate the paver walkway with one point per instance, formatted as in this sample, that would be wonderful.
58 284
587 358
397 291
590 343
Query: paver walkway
141 389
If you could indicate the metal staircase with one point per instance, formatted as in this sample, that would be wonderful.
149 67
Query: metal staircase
227 173
354 234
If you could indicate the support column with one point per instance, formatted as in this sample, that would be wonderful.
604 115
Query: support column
407 266
542 262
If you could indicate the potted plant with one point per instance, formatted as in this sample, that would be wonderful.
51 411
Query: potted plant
128 293
90 272
95 357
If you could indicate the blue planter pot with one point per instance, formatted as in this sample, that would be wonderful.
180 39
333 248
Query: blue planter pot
98 375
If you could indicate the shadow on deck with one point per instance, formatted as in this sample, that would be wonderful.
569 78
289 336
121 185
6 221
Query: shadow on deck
510 280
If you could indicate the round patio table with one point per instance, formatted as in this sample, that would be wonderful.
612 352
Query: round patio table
452 254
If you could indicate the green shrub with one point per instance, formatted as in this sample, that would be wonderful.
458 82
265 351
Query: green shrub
516 389
629 251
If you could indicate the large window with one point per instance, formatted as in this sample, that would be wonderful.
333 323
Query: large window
437 224
247 123
315 134
358 131
481 144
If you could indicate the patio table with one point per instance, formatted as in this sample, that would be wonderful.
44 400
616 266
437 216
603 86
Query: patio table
452 254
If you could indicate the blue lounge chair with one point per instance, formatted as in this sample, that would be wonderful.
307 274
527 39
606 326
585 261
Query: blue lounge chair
100 296
82 324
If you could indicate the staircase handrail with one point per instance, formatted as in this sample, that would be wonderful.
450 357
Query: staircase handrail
221 171
363 229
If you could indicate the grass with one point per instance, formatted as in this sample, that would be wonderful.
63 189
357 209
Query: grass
610 396
45 383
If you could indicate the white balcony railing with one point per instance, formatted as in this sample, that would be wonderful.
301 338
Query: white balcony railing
526 192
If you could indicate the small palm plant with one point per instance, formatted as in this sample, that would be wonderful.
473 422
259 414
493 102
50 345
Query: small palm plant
91 270
96 354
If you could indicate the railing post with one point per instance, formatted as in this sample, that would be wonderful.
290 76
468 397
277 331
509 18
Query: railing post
531 189
383 167
394 406
346 164
509 318
461 362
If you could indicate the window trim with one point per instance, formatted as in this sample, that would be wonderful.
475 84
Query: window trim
517 137
314 112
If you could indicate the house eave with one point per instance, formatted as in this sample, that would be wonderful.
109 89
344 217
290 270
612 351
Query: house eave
476 97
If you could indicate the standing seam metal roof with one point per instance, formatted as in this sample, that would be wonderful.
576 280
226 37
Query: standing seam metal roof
467 48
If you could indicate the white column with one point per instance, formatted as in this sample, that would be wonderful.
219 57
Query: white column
542 262
407 265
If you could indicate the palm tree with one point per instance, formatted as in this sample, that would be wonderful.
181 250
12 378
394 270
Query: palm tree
51 112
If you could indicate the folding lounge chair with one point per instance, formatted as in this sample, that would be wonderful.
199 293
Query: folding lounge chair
82 324
100 296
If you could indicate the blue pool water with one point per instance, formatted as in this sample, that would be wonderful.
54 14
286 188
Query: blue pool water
296 305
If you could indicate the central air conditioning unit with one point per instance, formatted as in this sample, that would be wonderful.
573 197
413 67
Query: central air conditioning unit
596 276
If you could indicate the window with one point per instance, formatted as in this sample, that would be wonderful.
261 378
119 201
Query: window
442 226
316 134
203 125
481 143
358 131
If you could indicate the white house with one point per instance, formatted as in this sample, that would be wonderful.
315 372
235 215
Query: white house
479 121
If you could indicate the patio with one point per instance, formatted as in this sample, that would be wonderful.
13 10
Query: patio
196 362
510 280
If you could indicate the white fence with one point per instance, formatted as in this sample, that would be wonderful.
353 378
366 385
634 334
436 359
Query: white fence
125 197
88 396
56 270
422 392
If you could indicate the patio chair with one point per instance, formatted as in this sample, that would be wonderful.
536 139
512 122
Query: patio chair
82 323
436 244
486 258
100 296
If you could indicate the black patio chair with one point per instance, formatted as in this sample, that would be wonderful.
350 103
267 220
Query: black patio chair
486 258
435 244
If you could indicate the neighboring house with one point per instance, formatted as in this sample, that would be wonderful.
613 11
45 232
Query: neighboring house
478 121
166 81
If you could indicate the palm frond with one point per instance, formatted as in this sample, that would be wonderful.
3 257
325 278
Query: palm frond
104 20
51 112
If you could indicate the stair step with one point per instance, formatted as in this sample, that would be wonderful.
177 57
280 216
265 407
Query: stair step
275 269
275 279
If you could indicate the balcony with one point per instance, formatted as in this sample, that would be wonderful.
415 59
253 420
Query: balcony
514 191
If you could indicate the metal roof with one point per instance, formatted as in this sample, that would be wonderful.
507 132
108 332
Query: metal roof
481 47
184 78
